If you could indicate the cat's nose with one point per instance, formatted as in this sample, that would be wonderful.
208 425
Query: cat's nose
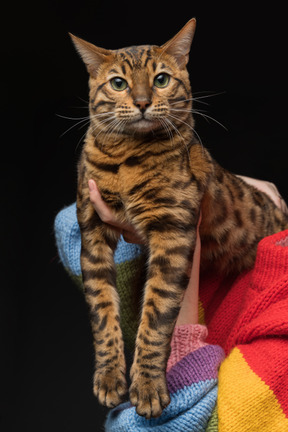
142 104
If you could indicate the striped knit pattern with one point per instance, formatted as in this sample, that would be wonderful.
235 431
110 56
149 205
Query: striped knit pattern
247 316
192 383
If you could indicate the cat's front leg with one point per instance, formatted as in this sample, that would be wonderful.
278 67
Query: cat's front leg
99 278
170 255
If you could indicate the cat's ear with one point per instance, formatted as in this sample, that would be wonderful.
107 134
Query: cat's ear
92 55
179 46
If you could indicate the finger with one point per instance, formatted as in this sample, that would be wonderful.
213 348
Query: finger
189 310
95 196
102 209
107 216
277 198
283 206
270 189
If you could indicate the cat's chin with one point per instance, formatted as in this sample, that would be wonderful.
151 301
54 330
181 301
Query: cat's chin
144 126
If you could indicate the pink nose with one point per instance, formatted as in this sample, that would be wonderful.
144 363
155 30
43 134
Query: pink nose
142 104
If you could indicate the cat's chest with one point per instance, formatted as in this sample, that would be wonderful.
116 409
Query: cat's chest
122 180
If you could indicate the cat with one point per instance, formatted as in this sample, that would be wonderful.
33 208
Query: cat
143 153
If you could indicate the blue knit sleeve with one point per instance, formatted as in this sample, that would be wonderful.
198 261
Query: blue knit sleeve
68 241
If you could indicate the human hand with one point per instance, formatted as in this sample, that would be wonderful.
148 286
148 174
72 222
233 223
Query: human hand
107 216
270 189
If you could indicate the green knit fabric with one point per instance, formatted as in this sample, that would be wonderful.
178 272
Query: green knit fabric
213 421
127 285
129 289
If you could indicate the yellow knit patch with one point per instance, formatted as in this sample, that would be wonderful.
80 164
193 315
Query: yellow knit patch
201 313
245 402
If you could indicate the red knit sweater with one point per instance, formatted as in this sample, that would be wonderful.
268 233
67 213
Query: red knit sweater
248 317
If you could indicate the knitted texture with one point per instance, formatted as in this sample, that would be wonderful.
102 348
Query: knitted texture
192 383
186 339
246 315
68 239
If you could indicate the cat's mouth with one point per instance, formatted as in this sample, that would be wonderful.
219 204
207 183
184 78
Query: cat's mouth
144 124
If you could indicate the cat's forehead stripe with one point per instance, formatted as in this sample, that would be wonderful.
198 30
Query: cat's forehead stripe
113 71
137 56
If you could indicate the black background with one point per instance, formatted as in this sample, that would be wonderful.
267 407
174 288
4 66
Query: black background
239 50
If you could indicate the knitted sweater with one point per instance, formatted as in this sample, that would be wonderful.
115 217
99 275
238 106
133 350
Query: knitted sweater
234 379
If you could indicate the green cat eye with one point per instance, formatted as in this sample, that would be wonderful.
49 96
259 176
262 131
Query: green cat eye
119 84
162 80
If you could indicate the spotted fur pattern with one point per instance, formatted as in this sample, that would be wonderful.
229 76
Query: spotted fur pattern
142 152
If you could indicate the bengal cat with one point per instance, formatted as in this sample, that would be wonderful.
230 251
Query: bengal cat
143 153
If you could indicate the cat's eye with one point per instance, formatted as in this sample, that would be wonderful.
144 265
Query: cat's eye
119 84
162 80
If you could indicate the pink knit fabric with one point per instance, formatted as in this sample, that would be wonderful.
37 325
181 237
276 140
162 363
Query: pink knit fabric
186 338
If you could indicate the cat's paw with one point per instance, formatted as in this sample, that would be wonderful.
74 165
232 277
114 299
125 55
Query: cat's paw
149 395
110 387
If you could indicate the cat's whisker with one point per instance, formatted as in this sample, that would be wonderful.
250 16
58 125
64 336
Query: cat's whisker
72 118
169 122
109 116
84 122
165 126
118 127
201 113
83 100
104 127
79 107
185 110
181 101
82 137
112 128
101 131
197 99
207 117
201 102
95 116
193 99
180 135
181 120
207 96
80 140
85 117
181 110
103 122
191 127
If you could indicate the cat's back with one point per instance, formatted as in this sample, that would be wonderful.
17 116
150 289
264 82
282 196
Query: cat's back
235 217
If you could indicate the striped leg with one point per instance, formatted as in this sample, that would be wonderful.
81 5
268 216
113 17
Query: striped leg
170 254
99 277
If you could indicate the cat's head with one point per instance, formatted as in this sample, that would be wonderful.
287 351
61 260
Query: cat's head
140 89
